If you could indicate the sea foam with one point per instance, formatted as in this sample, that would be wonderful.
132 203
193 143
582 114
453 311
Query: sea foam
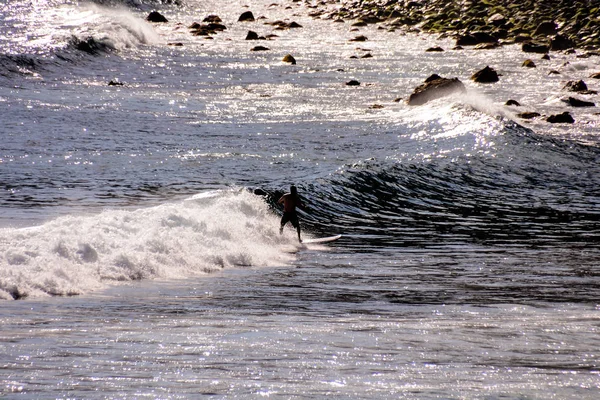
78 254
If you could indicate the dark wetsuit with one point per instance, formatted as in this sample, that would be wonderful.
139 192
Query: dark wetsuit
290 202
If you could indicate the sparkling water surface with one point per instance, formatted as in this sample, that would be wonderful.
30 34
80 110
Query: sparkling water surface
144 266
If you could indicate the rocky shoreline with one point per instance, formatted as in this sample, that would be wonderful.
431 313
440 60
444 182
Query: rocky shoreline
540 25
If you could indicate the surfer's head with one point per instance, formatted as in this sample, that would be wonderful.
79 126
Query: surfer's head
293 190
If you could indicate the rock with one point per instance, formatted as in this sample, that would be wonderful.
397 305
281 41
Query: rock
475 38
546 28
577 86
530 47
155 16
486 75
252 35
434 49
115 82
529 64
212 19
353 83
554 72
288 58
497 20
175 44
466 40
563 118
246 17
487 46
435 87
376 107
259 48
545 57
528 115
560 42
360 38
368 55
513 103
575 102
595 76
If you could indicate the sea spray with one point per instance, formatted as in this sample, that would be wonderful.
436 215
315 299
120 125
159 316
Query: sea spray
77 254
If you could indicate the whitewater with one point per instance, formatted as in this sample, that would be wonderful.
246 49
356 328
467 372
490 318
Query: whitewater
140 168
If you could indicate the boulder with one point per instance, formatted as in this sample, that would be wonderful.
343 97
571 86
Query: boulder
212 19
546 28
528 115
563 118
246 17
575 102
486 75
434 49
259 48
595 76
560 42
288 58
576 86
512 103
353 83
529 64
252 35
155 16
435 87
530 47
360 38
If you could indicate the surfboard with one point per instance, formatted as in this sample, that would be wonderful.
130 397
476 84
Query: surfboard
322 240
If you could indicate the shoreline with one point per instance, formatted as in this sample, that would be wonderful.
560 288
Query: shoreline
543 25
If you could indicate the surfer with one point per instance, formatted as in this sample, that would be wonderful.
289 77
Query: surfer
290 201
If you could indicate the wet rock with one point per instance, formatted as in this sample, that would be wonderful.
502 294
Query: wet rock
486 75
434 49
560 42
475 38
546 28
487 46
595 76
575 102
259 48
528 115
251 35
212 19
554 72
435 87
175 44
368 55
529 64
353 83
530 47
563 118
512 102
545 57
155 16
115 82
360 38
288 58
579 87
246 17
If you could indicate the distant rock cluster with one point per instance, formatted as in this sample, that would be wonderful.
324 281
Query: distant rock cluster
541 25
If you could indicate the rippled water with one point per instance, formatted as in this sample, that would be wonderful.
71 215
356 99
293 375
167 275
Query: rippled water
144 265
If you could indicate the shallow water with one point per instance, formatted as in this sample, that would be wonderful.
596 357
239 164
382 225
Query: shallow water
144 265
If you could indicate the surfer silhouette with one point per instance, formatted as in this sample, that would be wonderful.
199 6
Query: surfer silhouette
290 201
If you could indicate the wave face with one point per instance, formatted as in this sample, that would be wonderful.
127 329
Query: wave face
530 190
77 254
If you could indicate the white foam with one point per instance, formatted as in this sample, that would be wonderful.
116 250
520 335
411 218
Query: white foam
79 254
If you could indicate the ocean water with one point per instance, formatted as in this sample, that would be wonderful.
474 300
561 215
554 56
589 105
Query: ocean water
139 248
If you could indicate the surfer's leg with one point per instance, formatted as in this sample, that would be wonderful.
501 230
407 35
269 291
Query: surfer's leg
284 220
296 223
